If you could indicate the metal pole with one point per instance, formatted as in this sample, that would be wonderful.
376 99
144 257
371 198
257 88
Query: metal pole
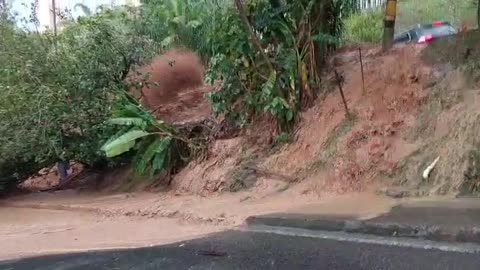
339 82
478 14
361 68
54 5
389 24
54 18
3 9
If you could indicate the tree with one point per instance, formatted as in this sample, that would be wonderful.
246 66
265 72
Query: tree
54 103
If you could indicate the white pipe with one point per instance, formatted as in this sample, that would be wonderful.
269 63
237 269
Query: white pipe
427 171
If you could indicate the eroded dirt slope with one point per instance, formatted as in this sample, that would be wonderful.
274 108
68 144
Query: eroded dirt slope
332 152
408 114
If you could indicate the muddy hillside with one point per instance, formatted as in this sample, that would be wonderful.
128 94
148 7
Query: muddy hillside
415 111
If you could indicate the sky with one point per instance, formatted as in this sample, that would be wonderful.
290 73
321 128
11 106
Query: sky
23 9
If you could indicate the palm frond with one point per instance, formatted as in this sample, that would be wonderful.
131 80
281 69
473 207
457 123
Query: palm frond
158 147
269 85
160 161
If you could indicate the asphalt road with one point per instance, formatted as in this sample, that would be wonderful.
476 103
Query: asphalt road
259 250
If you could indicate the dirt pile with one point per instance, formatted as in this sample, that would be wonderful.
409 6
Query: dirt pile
173 87
48 178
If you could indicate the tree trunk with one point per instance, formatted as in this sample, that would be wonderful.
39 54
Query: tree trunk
320 20
253 36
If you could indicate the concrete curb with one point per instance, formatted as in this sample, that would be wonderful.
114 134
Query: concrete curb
469 234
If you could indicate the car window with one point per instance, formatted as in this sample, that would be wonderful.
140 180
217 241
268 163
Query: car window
414 34
403 37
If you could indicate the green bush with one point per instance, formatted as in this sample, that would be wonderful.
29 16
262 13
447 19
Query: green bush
364 27
287 77
56 92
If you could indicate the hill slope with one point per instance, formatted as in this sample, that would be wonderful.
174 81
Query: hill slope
409 114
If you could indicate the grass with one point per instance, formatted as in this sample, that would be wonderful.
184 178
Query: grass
364 27
411 12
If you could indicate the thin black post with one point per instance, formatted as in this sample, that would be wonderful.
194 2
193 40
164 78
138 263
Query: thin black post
361 68
340 82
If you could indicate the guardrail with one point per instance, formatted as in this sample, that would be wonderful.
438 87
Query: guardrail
370 4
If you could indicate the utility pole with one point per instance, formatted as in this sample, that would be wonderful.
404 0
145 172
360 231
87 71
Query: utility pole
3 9
54 13
389 24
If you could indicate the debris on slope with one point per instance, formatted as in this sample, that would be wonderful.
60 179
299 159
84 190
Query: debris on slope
449 123
448 126
455 50
355 151
173 87
47 178
409 114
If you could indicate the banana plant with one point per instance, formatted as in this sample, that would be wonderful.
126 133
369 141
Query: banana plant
151 139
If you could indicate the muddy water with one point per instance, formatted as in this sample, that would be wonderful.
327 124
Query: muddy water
29 232
46 223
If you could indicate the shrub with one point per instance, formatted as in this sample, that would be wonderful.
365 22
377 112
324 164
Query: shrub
57 92
296 35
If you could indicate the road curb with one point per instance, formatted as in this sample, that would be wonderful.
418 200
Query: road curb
470 234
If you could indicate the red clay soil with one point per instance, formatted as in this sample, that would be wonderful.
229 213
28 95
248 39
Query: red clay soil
174 88
349 154
336 154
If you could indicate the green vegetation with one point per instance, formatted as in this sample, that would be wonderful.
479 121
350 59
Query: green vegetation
57 92
65 96
284 78
157 145
364 27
